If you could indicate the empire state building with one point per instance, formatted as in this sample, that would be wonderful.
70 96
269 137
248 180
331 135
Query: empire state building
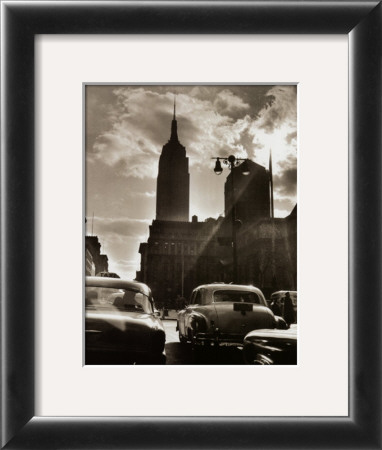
173 183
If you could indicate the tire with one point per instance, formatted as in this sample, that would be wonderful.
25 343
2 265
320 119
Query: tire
182 339
158 360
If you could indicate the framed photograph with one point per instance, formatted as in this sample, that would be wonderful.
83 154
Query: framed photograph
210 80
218 253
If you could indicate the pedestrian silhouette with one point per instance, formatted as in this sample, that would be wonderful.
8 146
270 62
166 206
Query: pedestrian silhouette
289 314
276 308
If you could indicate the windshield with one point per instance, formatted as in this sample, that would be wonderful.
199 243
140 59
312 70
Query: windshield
237 296
122 299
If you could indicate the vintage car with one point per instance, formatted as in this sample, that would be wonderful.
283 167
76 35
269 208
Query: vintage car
222 314
279 297
121 324
269 347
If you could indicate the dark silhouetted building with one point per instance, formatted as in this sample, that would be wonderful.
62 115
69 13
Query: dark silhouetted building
173 184
178 256
95 262
251 193
267 253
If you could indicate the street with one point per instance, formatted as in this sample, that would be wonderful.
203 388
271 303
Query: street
182 354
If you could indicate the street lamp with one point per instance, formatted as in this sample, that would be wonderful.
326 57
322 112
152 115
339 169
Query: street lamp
231 161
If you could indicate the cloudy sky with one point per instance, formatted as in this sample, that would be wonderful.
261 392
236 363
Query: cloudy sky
126 128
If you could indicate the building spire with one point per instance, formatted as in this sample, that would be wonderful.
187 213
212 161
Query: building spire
271 183
174 126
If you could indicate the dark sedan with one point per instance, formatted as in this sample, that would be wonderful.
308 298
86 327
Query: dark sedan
121 324
271 347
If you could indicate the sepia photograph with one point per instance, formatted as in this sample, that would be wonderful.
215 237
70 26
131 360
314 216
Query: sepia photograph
190 224
153 157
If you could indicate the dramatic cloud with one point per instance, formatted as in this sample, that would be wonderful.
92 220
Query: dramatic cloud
138 124
127 126
291 138
120 227
227 103
282 109
283 207
285 182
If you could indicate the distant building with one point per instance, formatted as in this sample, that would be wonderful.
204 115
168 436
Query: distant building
181 255
267 254
251 193
89 263
94 261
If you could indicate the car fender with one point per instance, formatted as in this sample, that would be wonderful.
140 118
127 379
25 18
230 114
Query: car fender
197 322
280 323
181 323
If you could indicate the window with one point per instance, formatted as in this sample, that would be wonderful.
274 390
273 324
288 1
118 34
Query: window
198 298
236 296
99 297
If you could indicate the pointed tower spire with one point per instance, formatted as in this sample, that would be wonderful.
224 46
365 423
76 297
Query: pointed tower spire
174 127
271 183
173 183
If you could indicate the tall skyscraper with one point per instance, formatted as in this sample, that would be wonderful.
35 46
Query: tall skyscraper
173 184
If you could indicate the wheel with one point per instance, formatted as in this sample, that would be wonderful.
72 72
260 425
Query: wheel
182 339
159 359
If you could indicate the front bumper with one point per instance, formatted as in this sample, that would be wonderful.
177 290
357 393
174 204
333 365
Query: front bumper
266 355
111 356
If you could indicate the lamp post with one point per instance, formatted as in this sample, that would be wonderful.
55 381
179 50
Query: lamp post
182 276
231 161
182 263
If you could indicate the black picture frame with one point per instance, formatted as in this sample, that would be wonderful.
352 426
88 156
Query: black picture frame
361 21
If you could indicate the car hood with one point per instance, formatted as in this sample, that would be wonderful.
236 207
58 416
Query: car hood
122 320
272 334
129 331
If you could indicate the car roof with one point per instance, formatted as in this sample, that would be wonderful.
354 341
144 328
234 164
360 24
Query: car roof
284 292
117 283
107 274
229 287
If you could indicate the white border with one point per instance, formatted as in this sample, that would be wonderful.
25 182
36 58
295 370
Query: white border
319 385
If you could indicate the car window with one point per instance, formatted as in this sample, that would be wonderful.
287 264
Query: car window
122 299
198 298
205 297
237 296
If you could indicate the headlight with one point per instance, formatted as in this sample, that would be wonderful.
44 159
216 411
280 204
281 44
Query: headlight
199 324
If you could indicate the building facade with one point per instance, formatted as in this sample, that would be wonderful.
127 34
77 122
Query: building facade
267 254
179 256
95 262
250 195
